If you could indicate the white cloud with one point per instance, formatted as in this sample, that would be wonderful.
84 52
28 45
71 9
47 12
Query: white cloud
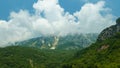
51 9
50 19
91 18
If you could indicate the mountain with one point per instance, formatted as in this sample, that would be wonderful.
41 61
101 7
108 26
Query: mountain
105 53
110 31
60 42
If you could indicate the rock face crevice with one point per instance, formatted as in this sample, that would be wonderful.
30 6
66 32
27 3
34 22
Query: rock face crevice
110 31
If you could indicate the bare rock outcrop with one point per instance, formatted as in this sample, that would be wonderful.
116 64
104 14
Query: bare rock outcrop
110 31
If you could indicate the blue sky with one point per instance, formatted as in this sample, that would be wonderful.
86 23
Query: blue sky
6 6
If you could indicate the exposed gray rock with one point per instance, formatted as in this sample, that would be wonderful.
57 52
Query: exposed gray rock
110 31
63 42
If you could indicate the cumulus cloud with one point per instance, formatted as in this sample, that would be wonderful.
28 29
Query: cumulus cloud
51 19
91 18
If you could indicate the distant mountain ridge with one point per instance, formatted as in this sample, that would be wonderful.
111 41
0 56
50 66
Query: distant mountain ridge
63 42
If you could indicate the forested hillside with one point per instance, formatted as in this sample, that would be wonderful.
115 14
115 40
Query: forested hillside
105 54
26 57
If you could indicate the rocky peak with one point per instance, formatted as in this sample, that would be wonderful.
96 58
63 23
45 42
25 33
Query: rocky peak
118 21
110 31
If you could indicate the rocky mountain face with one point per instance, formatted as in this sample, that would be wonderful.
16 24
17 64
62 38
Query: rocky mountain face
110 31
63 42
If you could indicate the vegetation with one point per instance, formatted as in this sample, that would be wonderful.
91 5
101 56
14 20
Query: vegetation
105 54
26 57
102 54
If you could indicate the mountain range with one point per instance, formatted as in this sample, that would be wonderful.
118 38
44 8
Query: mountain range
75 41
104 53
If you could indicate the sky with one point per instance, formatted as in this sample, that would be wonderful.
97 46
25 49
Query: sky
71 6
21 20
